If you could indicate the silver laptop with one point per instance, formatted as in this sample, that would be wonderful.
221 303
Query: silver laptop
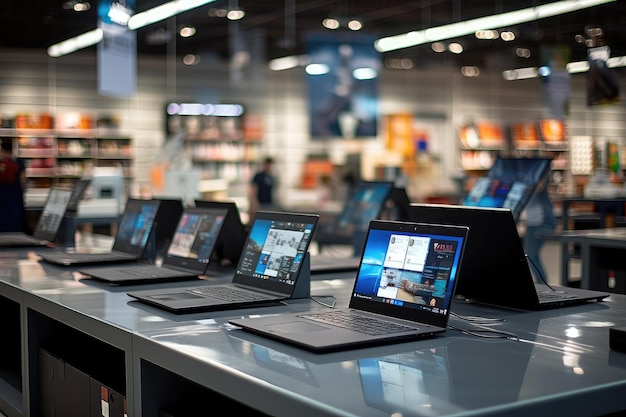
496 270
48 225
268 272
403 291
187 256
131 240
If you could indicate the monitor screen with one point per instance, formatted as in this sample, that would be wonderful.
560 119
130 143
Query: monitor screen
509 183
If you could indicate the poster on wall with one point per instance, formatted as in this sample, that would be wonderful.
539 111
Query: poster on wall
342 80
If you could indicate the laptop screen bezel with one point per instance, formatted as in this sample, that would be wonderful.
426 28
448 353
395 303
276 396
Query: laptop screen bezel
269 284
435 318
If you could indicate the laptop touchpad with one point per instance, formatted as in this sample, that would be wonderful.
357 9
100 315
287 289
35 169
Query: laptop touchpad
175 296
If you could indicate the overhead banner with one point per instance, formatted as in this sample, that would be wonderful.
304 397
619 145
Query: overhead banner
117 68
342 79
557 83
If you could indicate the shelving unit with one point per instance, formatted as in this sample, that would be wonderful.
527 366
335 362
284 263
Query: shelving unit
222 142
54 157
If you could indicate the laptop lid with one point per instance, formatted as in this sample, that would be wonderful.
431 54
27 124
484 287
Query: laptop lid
509 183
275 251
51 217
170 210
136 226
495 269
80 187
231 241
365 204
409 271
194 239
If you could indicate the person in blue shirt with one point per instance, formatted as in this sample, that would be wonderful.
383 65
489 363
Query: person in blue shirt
261 196
12 186
539 218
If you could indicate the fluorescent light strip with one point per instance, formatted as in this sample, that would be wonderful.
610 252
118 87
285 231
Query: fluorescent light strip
163 12
467 27
572 67
73 44
137 21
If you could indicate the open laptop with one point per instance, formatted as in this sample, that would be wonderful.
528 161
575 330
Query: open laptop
187 257
496 270
231 241
131 240
403 291
48 224
80 188
268 271
509 183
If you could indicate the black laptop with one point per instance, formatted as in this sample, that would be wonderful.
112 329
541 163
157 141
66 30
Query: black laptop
78 192
267 273
403 291
131 241
187 257
231 241
48 224
496 270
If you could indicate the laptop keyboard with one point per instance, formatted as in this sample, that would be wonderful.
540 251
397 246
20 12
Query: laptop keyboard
366 325
554 295
226 293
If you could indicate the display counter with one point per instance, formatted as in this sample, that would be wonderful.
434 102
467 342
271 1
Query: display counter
164 364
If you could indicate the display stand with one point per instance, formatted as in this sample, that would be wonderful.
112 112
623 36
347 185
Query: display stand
303 283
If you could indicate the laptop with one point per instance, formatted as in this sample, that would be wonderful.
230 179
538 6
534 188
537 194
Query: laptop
187 257
509 183
130 243
496 270
402 292
80 188
231 241
268 271
48 224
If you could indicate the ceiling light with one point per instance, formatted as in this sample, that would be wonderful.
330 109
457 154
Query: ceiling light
365 73
137 21
191 59
330 23
213 12
438 47
507 36
288 62
317 69
235 14
74 44
467 27
163 12
187 31
455 48
355 24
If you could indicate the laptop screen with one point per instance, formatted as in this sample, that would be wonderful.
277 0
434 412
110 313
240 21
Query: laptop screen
365 204
136 225
409 267
510 183
53 213
275 250
195 236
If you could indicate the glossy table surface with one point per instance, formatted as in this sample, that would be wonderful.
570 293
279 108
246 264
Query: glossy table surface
558 362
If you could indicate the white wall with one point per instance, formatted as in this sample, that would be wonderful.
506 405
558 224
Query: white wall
441 97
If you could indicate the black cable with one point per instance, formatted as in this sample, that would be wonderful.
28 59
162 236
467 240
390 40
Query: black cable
538 272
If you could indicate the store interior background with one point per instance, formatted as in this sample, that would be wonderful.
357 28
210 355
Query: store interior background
433 93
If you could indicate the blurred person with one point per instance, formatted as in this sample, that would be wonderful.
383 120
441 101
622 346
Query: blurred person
12 186
261 191
539 219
